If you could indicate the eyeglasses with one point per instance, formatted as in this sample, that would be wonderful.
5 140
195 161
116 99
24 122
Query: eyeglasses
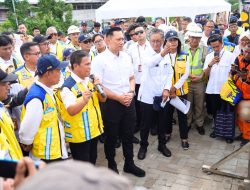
139 32
86 41
131 35
155 42
37 53
98 42
53 34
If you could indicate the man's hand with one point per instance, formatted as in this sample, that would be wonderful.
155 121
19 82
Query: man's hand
173 92
126 98
24 166
86 95
195 78
165 50
97 81
26 148
165 95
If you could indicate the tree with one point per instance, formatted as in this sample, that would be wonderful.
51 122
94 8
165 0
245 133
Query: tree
46 13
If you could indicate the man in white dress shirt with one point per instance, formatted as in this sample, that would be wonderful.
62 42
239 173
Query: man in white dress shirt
156 81
115 70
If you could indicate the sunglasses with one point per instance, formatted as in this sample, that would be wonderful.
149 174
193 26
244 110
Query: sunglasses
53 34
131 35
86 42
139 32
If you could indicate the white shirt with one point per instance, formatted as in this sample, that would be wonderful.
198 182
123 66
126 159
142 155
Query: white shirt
170 58
237 51
113 71
138 55
30 124
204 39
68 98
157 75
7 66
53 48
219 71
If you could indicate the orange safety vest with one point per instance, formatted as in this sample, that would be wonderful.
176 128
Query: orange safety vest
243 86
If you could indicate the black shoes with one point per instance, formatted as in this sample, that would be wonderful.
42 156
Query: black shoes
164 150
201 130
185 145
142 153
112 165
212 135
133 169
243 142
135 140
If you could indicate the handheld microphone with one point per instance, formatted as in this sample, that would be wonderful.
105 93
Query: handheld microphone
98 86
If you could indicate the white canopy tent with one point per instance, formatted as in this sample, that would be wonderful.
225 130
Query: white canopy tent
162 8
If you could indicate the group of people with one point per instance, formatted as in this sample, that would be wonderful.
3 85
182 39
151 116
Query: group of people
115 83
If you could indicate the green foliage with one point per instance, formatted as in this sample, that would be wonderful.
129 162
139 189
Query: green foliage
45 14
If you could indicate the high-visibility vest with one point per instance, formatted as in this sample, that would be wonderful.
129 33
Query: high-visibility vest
25 78
243 86
179 70
196 62
85 125
59 51
47 141
8 141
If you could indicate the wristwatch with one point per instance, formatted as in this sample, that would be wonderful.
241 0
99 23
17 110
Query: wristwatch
132 91
209 66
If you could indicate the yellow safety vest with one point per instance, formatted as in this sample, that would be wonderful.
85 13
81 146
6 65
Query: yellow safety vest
70 45
85 125
196 62
179 70
25 78
59 50
47 141
8 141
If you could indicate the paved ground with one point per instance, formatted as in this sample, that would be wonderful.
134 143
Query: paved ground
183 171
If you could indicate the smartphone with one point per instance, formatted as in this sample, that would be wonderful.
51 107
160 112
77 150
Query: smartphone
8 168
216 54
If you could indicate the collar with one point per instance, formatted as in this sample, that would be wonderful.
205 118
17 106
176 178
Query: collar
144 45
113 56
1 105
79 80
47 89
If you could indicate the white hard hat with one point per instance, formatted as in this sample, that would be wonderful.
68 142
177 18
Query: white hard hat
194 30
73 29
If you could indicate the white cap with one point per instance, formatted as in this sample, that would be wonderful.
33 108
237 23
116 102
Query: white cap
244 34
166 28
73 29
194 30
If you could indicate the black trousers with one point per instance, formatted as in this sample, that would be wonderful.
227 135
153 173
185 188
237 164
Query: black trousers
138 109
52 161
149 117
118 120
85 151
213 103
182 118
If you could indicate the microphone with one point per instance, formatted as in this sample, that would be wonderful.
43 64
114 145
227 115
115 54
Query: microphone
98 86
